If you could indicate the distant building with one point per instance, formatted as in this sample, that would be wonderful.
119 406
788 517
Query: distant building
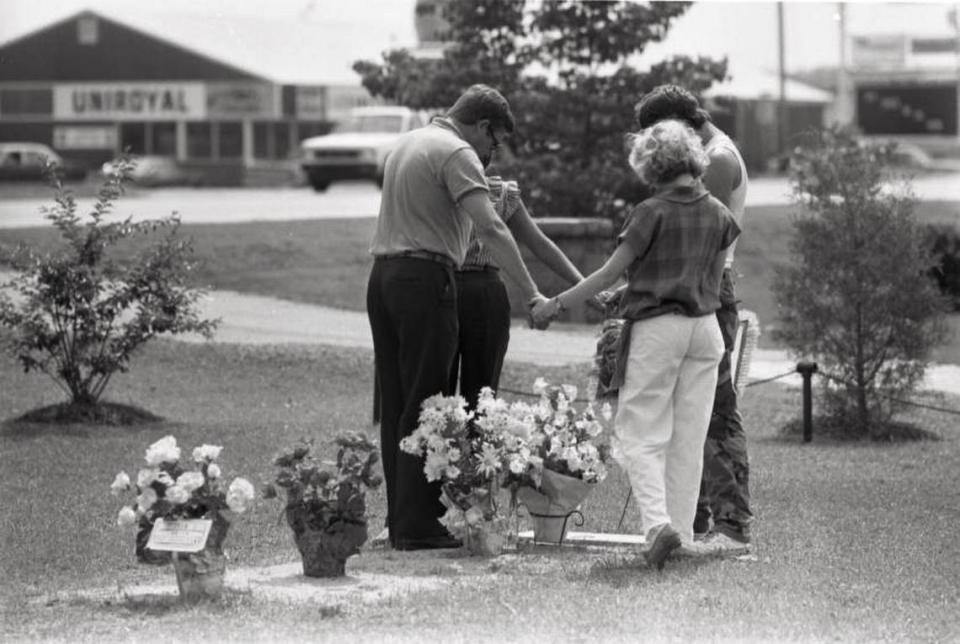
906 87
91 86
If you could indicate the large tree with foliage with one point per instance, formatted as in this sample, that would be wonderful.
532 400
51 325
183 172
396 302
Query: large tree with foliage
564 66
857 297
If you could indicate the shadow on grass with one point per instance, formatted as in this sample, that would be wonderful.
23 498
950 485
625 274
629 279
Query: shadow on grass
827 429
158 604
626 571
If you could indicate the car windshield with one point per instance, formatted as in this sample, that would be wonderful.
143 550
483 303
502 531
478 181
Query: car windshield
371 123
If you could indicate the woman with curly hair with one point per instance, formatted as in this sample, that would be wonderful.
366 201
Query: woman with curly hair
671 250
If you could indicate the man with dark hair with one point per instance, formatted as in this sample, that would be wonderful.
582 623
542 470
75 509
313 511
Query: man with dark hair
434 193
724 489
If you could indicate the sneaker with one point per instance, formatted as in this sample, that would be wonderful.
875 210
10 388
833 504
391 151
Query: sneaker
690 550
723 545
663 541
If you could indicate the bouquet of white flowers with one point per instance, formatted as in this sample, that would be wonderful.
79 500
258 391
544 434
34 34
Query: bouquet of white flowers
165 489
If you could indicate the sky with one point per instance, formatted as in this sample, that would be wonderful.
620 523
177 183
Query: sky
745 32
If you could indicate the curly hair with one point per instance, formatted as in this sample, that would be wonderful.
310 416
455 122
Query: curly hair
669 102
665 151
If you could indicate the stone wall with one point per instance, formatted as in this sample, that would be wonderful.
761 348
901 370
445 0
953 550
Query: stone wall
588 242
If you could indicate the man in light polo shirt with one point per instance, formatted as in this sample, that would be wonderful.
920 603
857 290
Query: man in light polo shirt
434 192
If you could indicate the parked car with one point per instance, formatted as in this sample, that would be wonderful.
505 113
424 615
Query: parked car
26 161
153 170
357 147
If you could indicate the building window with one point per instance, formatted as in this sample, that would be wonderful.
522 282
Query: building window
281 140
26 102
199 140
164 139
230 143
133 138
88 30
313 128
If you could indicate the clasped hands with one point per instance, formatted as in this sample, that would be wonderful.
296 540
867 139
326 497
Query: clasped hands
543 310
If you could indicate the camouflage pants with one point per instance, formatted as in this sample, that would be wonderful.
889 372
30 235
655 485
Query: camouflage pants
724 488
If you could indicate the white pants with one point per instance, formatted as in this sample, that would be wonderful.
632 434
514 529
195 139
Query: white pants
663 413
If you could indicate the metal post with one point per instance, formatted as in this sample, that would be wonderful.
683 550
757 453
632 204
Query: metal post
807 369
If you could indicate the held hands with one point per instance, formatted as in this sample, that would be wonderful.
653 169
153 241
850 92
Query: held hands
544 312
532 321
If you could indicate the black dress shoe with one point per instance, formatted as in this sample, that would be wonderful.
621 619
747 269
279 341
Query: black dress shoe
427 543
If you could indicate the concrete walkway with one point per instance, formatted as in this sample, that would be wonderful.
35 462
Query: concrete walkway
248 319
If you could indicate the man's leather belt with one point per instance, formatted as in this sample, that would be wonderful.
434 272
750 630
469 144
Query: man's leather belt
420 254
478 268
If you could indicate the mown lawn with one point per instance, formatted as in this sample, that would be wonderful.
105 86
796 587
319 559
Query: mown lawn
853 541
327 262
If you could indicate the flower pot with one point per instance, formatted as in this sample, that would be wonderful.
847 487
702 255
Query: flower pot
200 574
550 506
325 553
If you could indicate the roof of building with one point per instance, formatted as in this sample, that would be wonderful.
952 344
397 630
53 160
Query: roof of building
318 49
760 84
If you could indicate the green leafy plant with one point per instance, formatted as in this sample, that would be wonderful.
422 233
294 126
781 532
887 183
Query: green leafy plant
80 312
858 297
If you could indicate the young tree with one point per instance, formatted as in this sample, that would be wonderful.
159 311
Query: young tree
857 298
564 67
78 314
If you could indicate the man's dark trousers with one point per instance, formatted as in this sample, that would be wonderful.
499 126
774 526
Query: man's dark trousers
484 314
725 486
412 306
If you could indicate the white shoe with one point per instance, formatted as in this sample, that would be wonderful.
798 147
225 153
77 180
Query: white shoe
724 546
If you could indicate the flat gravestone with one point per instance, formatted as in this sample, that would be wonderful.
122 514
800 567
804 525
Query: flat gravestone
591 539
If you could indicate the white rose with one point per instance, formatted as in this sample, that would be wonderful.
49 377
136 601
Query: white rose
121 483
145 477
146 499
177 495
206 453
213 471
539 386
164 450
126 516
190 481
240 494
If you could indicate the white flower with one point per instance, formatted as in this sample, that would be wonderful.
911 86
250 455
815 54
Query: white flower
539 386
473 516
177 495
126 516
606 411
489 460
206 453
145 477
240 494
570 391
434 466
146 499
190 481
164 450
213 471
121 483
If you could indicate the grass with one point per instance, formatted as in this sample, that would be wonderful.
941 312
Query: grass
853 541
327 262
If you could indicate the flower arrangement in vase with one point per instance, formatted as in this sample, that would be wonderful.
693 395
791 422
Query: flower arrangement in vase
468 457
564 444
327 509
167 490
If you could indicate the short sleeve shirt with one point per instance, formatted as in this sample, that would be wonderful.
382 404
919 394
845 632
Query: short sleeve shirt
505 196
426 175
679 238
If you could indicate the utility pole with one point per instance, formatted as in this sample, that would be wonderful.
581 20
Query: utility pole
844 98
782 106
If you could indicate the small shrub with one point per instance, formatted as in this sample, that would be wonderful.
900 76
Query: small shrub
858 297
78 313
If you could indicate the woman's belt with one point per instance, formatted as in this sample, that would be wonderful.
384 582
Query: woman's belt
478 268
439 258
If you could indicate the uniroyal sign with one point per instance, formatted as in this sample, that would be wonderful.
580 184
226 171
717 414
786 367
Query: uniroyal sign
129 101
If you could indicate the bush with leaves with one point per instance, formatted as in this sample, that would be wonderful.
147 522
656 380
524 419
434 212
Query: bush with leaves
79 313
857 298
565 66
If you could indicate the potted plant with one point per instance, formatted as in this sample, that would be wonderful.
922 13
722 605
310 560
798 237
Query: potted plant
327 509
565 445
468 457
167 490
